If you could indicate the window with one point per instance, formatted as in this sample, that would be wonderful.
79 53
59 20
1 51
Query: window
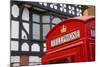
36 31
25 15
14 46
15 29
25 47
46 28
56 20
46 19
36 18
15 11
35 47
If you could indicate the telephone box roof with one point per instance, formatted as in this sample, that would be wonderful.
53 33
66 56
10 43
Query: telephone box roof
81 19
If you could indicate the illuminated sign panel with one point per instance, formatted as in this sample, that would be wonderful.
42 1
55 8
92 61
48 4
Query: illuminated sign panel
65 38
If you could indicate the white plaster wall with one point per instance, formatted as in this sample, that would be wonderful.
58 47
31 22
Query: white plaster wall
14 46
35 47
25 47
15 59
15 11
34 59
25 15
24 36
14 29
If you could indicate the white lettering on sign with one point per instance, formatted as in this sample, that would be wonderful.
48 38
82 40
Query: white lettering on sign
65 38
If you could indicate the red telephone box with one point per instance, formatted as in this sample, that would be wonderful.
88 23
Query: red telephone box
72 40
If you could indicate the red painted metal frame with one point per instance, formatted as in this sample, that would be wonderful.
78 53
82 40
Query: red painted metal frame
78 50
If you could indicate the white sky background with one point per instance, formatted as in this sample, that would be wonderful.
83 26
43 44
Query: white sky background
5 33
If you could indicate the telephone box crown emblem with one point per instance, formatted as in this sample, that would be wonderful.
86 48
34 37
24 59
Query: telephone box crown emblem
63 29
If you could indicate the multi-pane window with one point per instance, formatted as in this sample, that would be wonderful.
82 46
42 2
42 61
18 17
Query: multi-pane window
36 26
46 19
46 28
36 18
36 31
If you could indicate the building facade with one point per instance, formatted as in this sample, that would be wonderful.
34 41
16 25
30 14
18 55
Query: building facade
30 22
